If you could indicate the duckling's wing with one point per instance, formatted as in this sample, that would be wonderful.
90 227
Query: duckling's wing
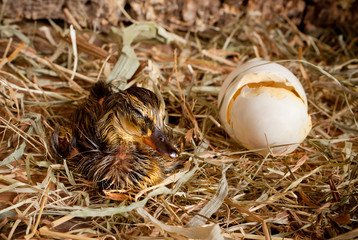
84 125
86 117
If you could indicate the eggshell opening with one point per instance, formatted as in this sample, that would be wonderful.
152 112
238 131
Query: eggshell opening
258 71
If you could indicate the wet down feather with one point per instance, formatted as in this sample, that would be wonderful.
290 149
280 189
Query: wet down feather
117 139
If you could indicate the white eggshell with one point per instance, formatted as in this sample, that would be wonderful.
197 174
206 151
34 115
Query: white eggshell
262 105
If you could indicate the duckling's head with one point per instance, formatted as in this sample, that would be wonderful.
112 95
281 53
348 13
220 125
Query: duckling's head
135 116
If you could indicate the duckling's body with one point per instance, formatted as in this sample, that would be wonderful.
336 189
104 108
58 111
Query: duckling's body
118 139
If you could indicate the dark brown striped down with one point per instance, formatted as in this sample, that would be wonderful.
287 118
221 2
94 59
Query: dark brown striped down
117 139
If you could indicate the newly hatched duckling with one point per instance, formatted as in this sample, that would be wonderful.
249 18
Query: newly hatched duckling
118 139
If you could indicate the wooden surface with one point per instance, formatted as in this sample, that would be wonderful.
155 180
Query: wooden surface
186 14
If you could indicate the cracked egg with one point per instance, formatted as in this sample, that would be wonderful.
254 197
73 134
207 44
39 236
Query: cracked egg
263 106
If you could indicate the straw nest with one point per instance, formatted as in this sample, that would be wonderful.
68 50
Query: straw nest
222 190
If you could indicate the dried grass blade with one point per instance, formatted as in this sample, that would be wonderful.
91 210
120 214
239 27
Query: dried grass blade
346 236
17 205
16 32
125 68
75 55
211 54
209 232
214 204
44 199
100 212
10 187
171 179
72 83
46 232
21 134
304 72
14 97
49 63
257 218
16 155
257 237
48 93
128 63
298 181
12 55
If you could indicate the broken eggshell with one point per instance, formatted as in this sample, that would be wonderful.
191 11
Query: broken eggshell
263 106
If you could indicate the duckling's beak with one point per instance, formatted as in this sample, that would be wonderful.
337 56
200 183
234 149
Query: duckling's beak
160 142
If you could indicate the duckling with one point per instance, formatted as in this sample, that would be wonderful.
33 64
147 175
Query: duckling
118 139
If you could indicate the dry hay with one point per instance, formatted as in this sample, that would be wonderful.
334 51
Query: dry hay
222 190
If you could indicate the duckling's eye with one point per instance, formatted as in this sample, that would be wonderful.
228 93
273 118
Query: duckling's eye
161 139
